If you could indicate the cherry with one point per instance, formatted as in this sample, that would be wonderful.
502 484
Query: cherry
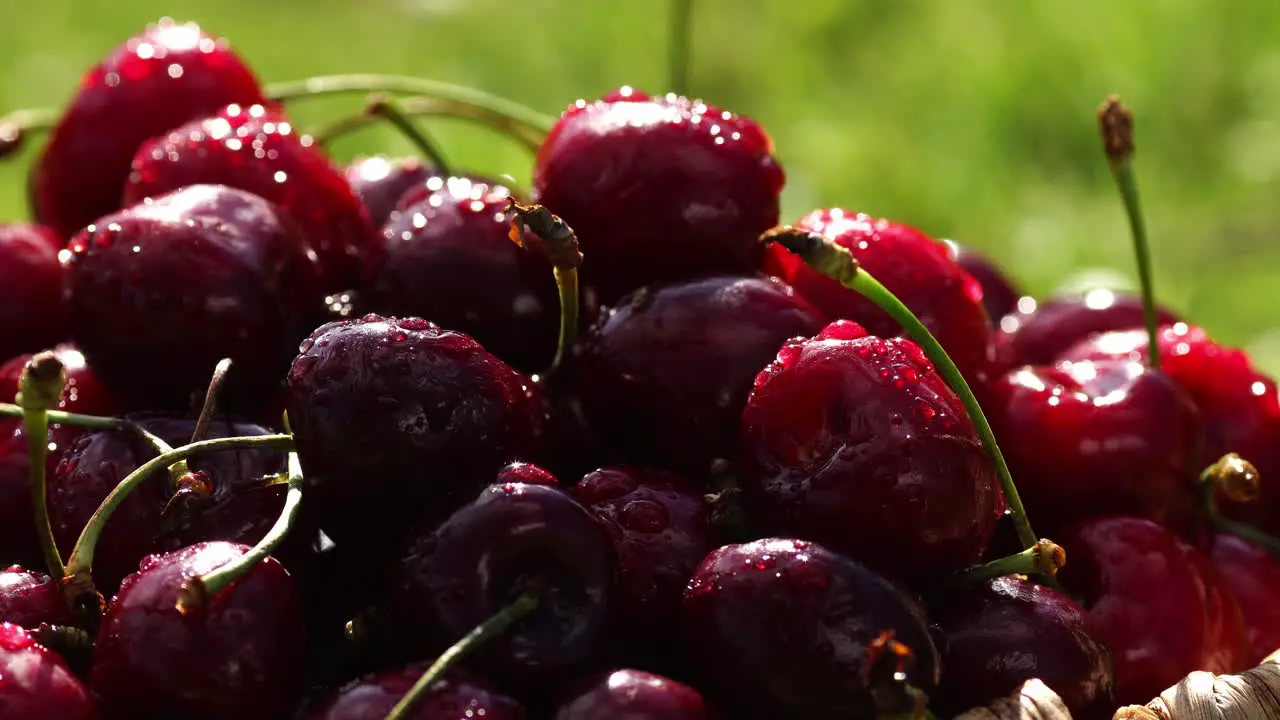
999 294
448 258
636 695
1039 332
239 656
1155 601
659 524
240 508
1009 630
18 540
84 392
379 181
167 75
523 472
665 374
35 684
853 441
511 540
783 628
1253 576
165 289
372 697
1085 436
256 149
28 598
916 268
658 189
34 313
397 418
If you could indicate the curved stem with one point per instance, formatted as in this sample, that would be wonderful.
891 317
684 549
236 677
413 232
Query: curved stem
370 83
17 125
559 243
490 628
530 138
387 109
680 39
57 417
1239 480
1044 558
210 405
567 285
40 387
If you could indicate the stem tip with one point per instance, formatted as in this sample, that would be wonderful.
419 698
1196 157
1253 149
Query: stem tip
1115 122
1236 477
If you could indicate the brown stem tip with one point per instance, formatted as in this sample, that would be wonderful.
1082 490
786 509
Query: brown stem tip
1050 557
1115 122
1236 477
554 235
818 252
42 381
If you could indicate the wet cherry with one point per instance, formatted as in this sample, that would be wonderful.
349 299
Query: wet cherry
35 683
636 695
1039 332
379 181
34 312
1253 576
999 294
372 697
28 598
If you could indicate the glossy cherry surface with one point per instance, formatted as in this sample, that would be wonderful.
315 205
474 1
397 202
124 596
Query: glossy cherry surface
1039 332
659 189
35 683
1253 576
782 629
372 697
523 472
155 81
379 181
34 312
238 656
165 289
854 442
665 375
999 293
253 148
28 598
636 695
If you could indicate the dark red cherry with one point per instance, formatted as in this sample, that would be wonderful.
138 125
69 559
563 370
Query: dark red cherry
782 628
999 294
379 181
1039 332
84 392
240 509
34 312
448 259
452 698
659 524
636 695
165 289
257 149
659 189
1156 602
1085 437
18 540
398 419
434 184
912 265
239 656
853 441
1006 631
35 684
1253 576
665 374
28 598
169 74
513 539
523 472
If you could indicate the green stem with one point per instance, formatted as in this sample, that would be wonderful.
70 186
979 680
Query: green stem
680 41
529 137
389 110
567 284
37 429
1044 558
1220 474
57 417
210 405
490 628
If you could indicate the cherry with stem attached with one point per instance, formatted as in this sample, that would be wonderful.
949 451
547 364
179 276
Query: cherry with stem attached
1044 558
557 240
837 263
1236 478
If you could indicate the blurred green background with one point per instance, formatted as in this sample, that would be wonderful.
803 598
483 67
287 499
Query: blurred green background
972 120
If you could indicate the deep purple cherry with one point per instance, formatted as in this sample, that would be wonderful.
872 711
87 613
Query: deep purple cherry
453 698
636 695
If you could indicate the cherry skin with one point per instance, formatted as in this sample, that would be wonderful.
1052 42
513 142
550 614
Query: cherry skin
257 149
1111 434
239 656
165 289
999 294
34 310
636 695
372 697
783 628
1253 576
854 442
167 75
523 472
659 525
659 189
18 540
512 539
665 374
1006 631
1039 332
36 683
395 418
240 508
379 181
448 259
1155 601
28 598
912 265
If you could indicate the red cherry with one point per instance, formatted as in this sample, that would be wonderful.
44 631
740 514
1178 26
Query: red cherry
28 598
636 695
999 294
35 684
380 181
1039 332
1253 575
169 74
452 698
34 314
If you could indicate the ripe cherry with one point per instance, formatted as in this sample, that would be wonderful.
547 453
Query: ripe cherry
379 181
999 294
34 312
372 697
1039 332
28 598
1253 576
37 684
636 695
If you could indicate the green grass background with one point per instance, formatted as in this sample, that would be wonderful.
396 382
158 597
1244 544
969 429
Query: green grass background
973 120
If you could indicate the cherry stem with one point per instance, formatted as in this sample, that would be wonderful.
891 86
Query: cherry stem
57 417
197 591
1115 123
487 630
77 579
1239 480
382 106
210 405
40 387
527 136
680 41
17 125
1044 558
837 263
370 83
559 243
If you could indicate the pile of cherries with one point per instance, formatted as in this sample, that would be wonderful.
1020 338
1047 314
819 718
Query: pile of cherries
325 442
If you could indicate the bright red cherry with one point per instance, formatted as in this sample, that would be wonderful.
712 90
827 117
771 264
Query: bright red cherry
453 698
28 598
380 181
34 313
999 294
35 683
1038 333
